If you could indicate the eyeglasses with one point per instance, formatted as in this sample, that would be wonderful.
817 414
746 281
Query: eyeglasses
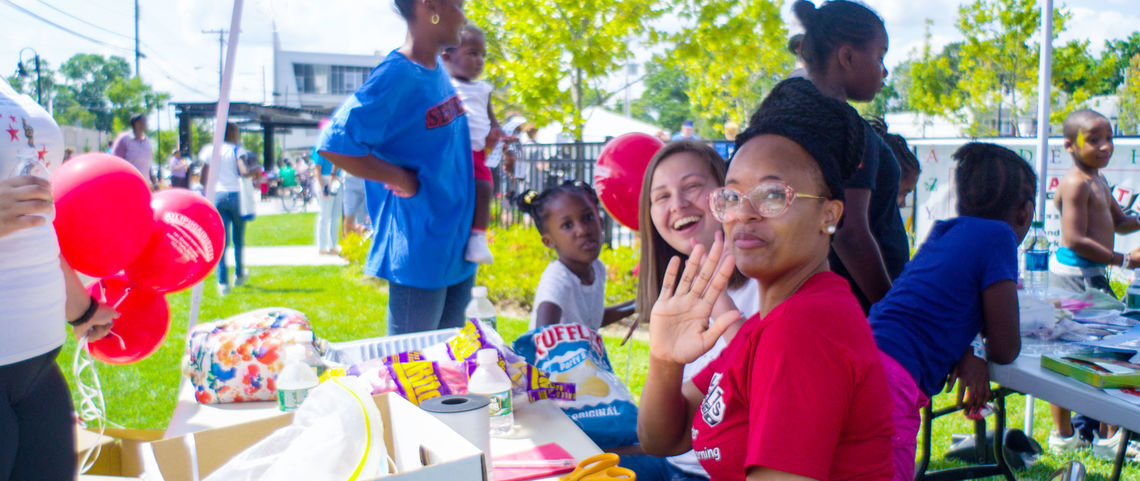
769 199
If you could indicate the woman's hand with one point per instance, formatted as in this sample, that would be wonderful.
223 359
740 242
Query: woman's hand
679 329
22 199
99 325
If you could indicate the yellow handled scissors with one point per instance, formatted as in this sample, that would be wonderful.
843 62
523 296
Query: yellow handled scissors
601 467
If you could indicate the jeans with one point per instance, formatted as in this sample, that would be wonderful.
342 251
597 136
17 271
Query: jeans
229 206
328 222
37 431
411 309
653 468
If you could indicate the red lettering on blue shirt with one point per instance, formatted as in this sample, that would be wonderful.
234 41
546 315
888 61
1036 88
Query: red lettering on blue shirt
444 113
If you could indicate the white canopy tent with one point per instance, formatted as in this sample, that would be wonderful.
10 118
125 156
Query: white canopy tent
600 124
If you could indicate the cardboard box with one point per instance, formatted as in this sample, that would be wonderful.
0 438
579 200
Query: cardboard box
119 452
422 447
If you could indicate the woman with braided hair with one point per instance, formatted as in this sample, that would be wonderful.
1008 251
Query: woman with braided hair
843 47
799 392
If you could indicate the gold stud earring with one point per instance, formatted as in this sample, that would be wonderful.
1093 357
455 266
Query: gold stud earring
435 19
830 229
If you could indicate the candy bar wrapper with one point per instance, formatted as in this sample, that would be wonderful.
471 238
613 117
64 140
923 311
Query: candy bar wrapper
415 380
527 379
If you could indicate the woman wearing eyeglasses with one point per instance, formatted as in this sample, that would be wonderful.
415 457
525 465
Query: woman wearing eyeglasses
799 392
674 207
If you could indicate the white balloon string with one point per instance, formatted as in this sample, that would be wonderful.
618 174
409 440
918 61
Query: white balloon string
91 409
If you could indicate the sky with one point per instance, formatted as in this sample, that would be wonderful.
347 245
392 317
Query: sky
183 61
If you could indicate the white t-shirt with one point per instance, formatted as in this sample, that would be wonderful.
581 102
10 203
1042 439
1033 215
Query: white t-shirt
229 180
476 96
32 291
580 303
747 300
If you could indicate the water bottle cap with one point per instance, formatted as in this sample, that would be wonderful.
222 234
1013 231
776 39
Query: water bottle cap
487 357
303 336
294 352
479 291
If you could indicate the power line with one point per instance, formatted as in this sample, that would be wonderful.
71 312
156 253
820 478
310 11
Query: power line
65 29
53 7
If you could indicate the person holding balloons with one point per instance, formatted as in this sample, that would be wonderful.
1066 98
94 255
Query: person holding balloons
675 211
405 131
39 292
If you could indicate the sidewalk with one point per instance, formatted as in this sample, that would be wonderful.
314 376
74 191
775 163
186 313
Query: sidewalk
285 256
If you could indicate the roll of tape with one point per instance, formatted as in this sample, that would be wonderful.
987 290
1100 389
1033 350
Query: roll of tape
468 414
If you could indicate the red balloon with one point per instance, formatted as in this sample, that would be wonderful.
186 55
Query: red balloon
619 172
103 217
144 319
185 246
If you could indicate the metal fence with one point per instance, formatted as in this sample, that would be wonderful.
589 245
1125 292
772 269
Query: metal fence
541 166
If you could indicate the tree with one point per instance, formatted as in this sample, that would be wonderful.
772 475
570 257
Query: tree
26 84
546 55
98 92
993 72
933 79
665 101
732 52
1130 98
1121 52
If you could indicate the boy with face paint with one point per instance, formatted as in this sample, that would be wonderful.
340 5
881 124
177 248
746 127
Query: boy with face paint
1090 218
1089 215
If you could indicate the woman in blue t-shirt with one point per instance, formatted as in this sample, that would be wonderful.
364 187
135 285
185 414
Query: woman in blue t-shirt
961 283
406 133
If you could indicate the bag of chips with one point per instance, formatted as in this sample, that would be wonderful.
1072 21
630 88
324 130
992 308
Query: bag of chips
445 367
573 353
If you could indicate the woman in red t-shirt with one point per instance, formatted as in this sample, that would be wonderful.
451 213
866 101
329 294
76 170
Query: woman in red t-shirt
799 392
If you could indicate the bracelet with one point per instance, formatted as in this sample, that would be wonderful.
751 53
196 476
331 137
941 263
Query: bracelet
1127 260
979 347
88 314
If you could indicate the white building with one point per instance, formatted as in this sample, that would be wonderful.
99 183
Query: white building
314 80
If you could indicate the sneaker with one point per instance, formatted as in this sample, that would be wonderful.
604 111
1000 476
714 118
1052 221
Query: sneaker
240 280
1060 444
1106 448
477 249
223 289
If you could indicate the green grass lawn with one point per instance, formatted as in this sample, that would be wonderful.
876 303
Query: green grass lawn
282 230
342 307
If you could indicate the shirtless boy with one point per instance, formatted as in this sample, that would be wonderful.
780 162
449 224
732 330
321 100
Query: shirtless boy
1090 218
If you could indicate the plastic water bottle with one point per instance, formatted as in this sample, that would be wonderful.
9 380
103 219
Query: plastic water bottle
295 380
311 358
1037 260
490 380
481 308
1132 294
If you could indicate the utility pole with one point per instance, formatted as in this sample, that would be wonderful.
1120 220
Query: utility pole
136 38
221 48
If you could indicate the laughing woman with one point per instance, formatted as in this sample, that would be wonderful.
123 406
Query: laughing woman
799 392
674 204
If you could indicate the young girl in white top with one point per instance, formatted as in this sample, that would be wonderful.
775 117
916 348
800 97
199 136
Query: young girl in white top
572 288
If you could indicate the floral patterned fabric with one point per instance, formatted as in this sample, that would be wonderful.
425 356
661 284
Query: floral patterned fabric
237 359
